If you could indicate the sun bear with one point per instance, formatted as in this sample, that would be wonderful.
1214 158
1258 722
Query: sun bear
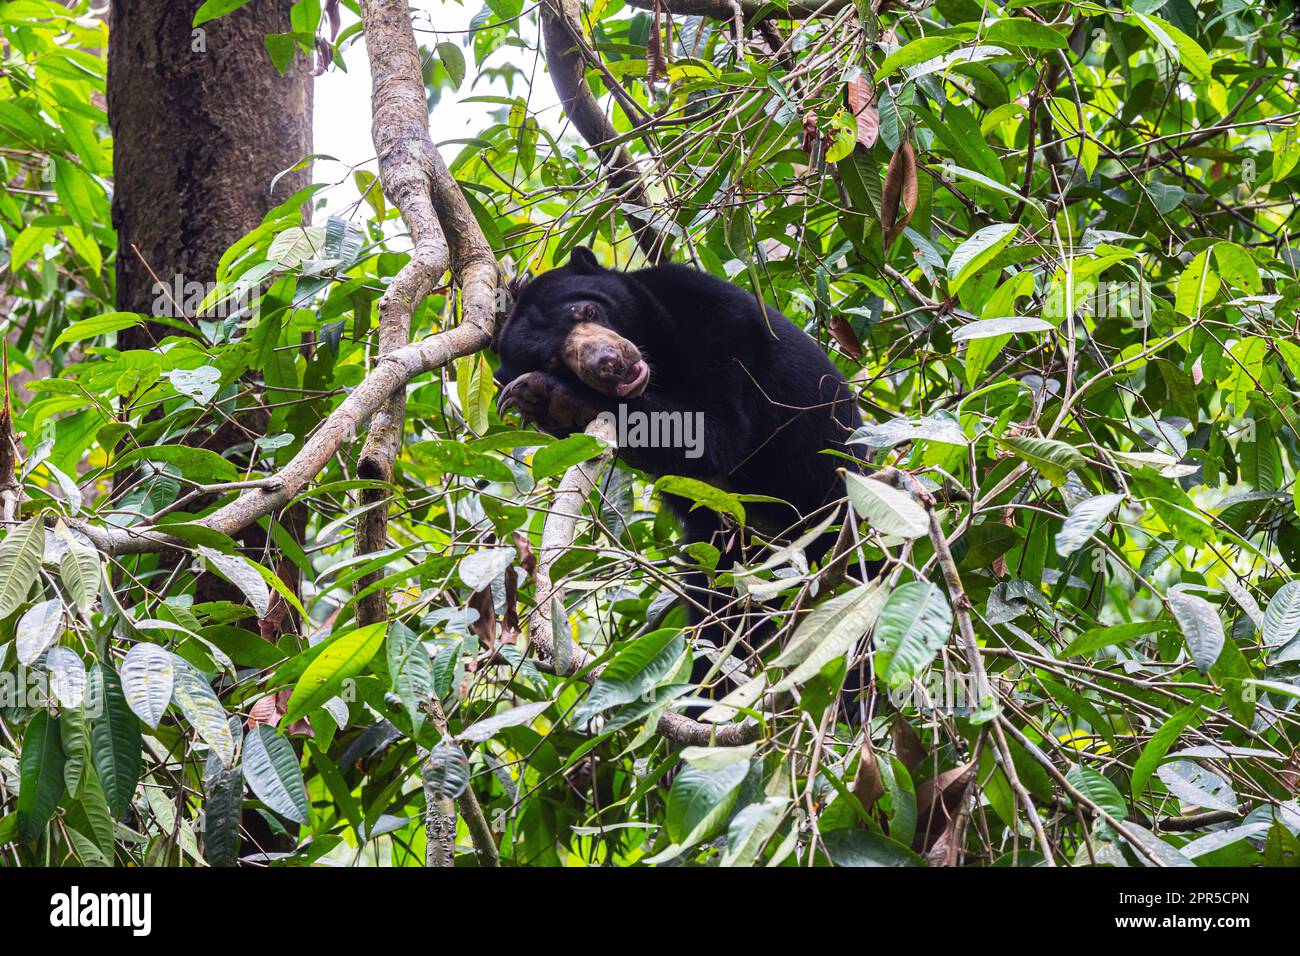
679 347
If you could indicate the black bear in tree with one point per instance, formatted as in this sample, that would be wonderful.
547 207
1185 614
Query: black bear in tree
582 340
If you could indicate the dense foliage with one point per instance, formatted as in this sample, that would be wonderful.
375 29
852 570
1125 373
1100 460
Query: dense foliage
1049 245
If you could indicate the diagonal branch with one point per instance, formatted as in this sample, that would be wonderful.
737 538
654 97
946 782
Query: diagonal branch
557 537
567 55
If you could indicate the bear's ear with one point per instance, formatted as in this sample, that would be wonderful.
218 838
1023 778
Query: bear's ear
583 261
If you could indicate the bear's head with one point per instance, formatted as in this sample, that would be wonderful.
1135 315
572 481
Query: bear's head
580 319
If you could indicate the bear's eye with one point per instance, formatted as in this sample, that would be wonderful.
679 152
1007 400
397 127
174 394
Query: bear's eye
585 312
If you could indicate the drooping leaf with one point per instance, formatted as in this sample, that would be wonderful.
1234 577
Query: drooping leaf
1202 629
67 676
342 659
889 510
274 774
700 800
977 252
40 772
147 680
115 743
1282 617
240 572
20 558
194 696
1098 789
913 624
223 797
829 631
38 628
898 199
1084 520
1052 459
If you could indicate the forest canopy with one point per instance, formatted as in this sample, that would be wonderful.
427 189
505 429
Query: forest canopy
279 585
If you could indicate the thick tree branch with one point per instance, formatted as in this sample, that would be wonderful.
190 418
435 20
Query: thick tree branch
391 373
567 55
417 182
400 130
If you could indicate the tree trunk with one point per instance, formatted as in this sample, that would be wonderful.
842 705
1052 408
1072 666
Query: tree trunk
202 123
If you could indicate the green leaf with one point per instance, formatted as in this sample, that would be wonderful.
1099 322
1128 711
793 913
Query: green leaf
197 464
1286 153
913 625
67 676
1099 637
281 48
39 627
701 799
212 9
99 325
194 696
1237 267
20 558
486 728
1084 520
80 571
454 61
410 669
1074 131
28 245
977 252
1098 789
559 456
1052 459
342 658
147 680
702 494
223 798
40 771
1159 745
1202 629
1282 617
1197 285
243 574
274 774
750 829
475 389
865 848
116 746
889 510
829 631
916 52
1178 44
635 670
1017 31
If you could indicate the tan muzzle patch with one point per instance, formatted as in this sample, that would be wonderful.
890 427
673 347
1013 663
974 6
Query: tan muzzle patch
600 357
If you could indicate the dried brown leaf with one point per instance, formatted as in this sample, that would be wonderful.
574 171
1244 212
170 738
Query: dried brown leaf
868 785
907 745
863 107
899 197
845 336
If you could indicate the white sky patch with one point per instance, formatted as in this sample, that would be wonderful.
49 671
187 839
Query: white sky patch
341 117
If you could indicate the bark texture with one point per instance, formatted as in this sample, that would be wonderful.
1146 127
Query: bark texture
198 135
